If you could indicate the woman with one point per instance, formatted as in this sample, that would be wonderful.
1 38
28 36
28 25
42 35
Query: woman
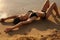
32 15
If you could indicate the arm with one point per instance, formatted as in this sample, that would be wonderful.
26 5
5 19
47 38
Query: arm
21 24
3 19
10 17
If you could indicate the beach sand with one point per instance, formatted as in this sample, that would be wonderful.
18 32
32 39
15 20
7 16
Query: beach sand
37 30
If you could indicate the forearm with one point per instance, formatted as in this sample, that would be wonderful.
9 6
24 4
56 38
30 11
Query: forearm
10 17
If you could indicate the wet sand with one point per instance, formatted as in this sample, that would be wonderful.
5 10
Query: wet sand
37 30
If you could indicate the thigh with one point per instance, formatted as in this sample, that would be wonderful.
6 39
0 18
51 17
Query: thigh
49 10
46 5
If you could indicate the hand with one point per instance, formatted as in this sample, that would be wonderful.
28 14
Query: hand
8 29
2 20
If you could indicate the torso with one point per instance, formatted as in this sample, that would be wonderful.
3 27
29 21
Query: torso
23 18
38 13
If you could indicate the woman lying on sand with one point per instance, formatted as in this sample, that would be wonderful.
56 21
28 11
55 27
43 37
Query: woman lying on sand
32 15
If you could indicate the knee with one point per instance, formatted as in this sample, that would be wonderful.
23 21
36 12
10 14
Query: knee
53 4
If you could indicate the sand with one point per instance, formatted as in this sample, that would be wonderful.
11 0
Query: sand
37 30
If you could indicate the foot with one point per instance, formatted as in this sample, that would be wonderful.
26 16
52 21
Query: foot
8 30
2 20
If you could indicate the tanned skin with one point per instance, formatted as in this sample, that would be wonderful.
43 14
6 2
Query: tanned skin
47 7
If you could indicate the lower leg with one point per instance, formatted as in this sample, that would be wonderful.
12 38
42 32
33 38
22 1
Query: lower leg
56 9
46 5
52 6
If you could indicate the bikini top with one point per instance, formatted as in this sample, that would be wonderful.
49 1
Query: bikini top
32 13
